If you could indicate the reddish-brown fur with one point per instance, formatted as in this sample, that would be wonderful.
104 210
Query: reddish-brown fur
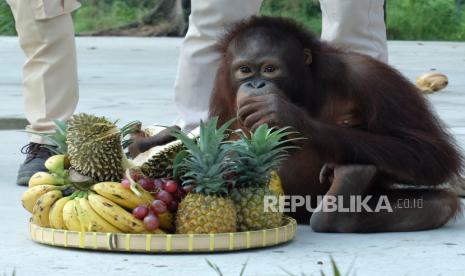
354 110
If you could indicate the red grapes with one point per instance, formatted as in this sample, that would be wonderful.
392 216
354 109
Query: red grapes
159 207
171 186
151 222
164 196
140 212
126 184
167 193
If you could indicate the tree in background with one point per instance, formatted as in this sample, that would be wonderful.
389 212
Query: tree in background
426 19
7 26
407 19
165 18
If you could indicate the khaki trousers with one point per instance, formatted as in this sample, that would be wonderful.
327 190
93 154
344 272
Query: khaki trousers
46 34
50 85
356 25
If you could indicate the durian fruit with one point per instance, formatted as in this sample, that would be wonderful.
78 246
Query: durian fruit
94 147
158 161
208 209
431 82
160 165
257 158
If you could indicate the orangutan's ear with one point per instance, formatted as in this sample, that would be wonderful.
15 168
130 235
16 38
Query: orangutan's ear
307 56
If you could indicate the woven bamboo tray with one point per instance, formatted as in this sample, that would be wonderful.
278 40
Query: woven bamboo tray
165 243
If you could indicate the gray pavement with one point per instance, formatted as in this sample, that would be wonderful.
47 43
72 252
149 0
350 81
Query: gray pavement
132 78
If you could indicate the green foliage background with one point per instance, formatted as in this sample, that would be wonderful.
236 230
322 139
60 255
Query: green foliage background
407 19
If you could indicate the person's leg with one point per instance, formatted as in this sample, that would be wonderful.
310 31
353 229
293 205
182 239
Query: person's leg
198 60
356 25
46 35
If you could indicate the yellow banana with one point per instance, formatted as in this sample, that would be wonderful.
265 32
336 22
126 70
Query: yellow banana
115 214
56 164
124 197
84 220
70 217
44 178
166 221
55 216
40 212
90 220
31 195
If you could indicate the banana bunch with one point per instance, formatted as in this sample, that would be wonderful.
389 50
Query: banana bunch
78 214
103 209
57 202
112 201
47 187
124 197
83 211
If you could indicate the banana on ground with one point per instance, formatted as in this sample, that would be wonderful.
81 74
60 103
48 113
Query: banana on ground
91 221
116 215
55 215
41 209
70 216
124 197
31 195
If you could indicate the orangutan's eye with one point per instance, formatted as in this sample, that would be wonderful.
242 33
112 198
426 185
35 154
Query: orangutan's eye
269 69
245 70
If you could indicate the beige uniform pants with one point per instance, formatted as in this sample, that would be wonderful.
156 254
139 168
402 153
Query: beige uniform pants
356 25
50 86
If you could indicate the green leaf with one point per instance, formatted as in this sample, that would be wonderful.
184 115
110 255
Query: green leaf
177 162
214 267
336 271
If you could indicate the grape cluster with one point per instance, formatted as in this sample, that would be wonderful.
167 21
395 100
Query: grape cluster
167 193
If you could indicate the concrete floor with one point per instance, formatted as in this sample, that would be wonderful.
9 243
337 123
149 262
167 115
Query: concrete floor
132 78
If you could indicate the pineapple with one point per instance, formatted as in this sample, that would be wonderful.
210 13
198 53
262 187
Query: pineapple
256 159
208 208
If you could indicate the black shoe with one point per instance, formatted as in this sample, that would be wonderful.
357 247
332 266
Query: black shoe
37 154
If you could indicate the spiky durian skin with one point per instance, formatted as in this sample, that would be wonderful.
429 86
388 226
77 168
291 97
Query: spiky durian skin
250 210
202 214
161 164
94 147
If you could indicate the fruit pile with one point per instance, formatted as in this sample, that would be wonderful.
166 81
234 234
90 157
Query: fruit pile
231 179
204 184
167 195
57 202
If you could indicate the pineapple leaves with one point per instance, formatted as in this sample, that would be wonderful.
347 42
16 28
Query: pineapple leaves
263 152
61 127
211 163
177 162
206 159
190 144
56 139
129 129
